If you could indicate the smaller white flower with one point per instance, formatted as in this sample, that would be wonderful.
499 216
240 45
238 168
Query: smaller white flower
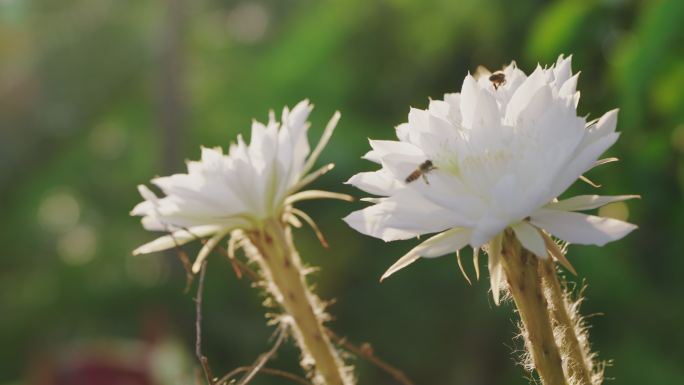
492 157
221 193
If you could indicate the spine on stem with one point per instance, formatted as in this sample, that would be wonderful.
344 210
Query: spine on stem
525 285
281 267
578 360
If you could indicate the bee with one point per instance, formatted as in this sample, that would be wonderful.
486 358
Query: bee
421 171
498 79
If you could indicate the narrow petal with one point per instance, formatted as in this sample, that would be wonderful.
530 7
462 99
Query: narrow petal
589 181
587 202
580 228
601 162
443 243
317 194
312 177
327 133
177 238
206 249
530 238
496 274
557 253
460 266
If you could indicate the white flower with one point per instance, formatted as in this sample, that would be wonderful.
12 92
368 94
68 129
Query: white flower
501 155
222 193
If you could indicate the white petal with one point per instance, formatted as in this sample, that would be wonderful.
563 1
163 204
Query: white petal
439 108
469 92
446 242
152 222
298 116
580 228
581 163
383 148
487 116
399 158
404 215
454 101
417 125
587 202
524 93
530 239
486 229
514 78
372 156
569 88
178 238
380 182
606 124
146 193
562 70
536 106
446 191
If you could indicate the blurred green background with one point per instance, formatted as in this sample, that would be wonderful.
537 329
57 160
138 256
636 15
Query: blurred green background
97 96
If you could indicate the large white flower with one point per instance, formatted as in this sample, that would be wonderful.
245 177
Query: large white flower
252 183
501 154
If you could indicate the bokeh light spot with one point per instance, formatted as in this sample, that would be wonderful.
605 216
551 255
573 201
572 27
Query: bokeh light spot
248 22
77 246
59 212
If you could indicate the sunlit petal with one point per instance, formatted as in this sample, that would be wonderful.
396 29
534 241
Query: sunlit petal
530 239
446 242
580 228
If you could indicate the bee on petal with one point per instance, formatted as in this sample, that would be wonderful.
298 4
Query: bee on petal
498 79
421 171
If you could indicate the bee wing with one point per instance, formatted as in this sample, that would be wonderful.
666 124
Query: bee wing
481 71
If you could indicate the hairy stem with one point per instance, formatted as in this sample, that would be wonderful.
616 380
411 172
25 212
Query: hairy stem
576 362
524 280
281 264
